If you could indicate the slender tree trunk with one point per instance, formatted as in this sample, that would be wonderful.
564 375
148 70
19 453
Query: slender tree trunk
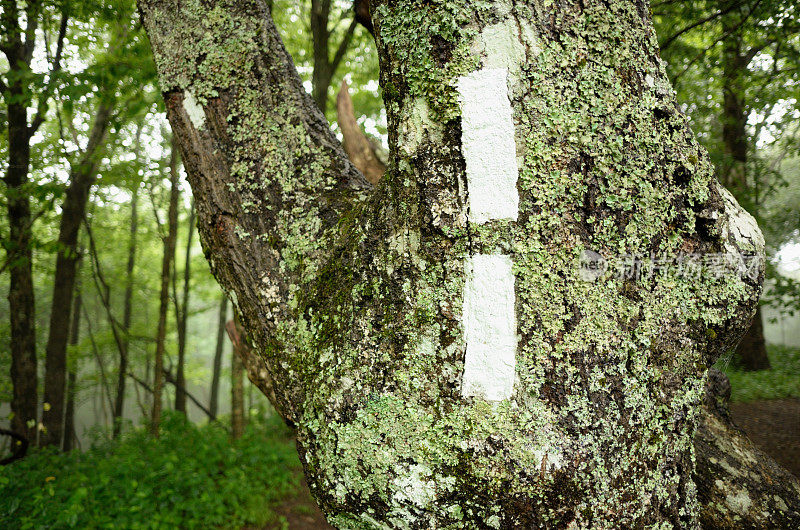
240 348
166 262
237 396
181 316
751 352
325 64
72 377
119 399
320 35
82 177
444 359
218 351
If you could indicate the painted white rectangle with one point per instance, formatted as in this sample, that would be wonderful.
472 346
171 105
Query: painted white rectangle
490 328
487 143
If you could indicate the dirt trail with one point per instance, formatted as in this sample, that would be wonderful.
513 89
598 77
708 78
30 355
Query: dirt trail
774 426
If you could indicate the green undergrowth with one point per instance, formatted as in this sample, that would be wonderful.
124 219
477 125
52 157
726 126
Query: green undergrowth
782 380
190 477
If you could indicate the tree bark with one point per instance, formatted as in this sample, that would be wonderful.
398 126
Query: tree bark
354 297
213 404
166 263
127 311
181 316
18 46
82 177
738 485
240 351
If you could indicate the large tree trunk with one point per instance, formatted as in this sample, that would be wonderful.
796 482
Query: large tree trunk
213 404
444 357
82 177
19 254
167 260
18 45
19 257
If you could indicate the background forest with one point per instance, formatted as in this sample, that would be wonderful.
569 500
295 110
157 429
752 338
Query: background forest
110 300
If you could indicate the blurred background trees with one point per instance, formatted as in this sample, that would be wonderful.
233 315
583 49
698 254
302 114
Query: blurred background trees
734 65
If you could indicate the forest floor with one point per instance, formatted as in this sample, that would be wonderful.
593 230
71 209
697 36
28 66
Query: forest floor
773 425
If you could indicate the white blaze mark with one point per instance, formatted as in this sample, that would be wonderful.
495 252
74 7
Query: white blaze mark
487 142
490 328
196 114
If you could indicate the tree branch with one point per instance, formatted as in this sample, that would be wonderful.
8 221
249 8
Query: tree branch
41 110
698 23
343 45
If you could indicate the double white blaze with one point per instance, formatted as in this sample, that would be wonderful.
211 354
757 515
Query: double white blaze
487 142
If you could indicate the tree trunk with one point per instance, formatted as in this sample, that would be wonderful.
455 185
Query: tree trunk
751 353
325 66
240 351
18 45
443 355
19 254
72 378
738 485
218 351
181 315
82 177
127 311
166 262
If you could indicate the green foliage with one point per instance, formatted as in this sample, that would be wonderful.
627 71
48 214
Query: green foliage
780 381
190 477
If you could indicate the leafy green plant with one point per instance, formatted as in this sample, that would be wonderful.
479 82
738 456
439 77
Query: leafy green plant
190 477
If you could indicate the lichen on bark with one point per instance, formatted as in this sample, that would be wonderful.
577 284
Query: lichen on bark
354 295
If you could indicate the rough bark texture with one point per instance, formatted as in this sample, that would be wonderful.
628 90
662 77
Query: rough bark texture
213 404
353 296
83 175
166 264
355 142
738 485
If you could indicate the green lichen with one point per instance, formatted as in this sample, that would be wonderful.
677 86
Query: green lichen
610 372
